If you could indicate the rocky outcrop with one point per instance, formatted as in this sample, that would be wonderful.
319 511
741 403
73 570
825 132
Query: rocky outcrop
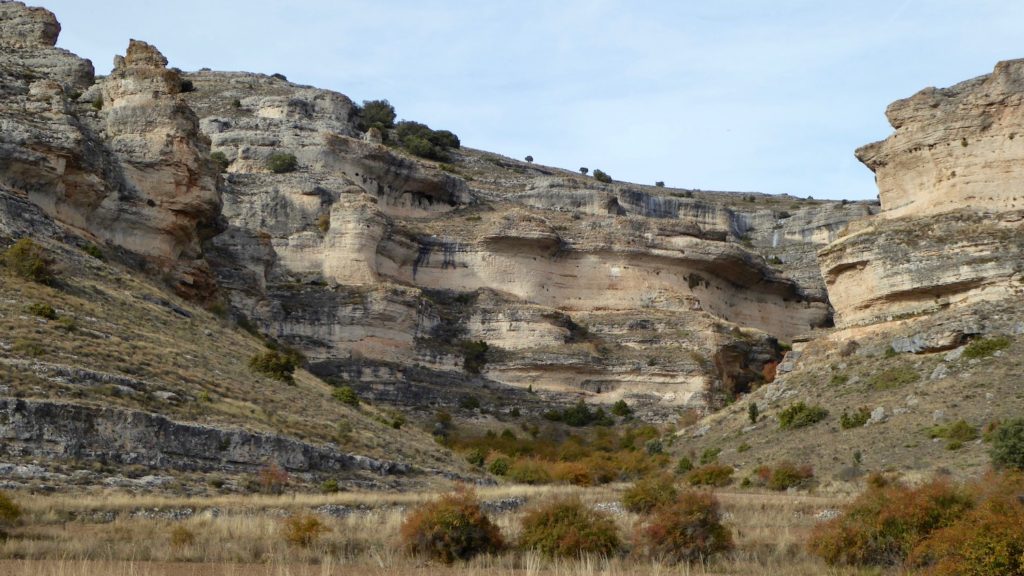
893 269
122 162
56 431
954 148
950 232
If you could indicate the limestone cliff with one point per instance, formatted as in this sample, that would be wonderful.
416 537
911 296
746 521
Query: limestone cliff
950 230
954 148
122 162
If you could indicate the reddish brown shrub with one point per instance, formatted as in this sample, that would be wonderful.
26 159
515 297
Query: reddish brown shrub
451 528
987 541
303 530
567 528
272 479
710 475
769 371
576 473
885 523
687 529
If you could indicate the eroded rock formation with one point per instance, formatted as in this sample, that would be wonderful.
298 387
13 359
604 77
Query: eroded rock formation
950 183
122 162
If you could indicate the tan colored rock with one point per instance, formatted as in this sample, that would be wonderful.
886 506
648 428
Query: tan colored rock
954 148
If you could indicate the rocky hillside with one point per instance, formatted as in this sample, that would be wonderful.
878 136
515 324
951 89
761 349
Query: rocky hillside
927 298
198 220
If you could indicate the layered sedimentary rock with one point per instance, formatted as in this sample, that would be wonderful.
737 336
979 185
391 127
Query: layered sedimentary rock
954 148
951 230
122 162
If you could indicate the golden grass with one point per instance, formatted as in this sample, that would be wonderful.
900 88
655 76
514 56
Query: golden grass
246 535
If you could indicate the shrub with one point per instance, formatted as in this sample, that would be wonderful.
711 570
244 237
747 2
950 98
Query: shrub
855 420
800 414
686 529
753 412
346 395
469 402
272 479
621 409
474 356
891 378
303 530
28 260
94 251
987 541
378 114
451 528
278 365
580 415
684 465
649 493
181 537
710 475
220 160
660 184
282 162
529 159
499 466
601 176
956 433
985 347
575 473
709 455
1008 445
329 486
886 522
323 222
568 528
788 475
418 139
529 471
584 170
43 310
9 512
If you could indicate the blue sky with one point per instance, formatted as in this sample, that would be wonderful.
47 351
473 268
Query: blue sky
769 96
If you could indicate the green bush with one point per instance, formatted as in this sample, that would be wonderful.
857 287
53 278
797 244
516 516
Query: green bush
895 377
451 528
621 409
9 512
378 114
601 176
43 310
346 395
420 140
474 355
855 420
710 475
649 493
985 347
499 466
28 260
800 414
220 160
685 530
580 415
753 412
567 528
277 365
709 455
282 162
684 465
1008 445
956 433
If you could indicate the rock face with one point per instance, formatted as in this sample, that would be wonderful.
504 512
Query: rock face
122 162
365 256
954 148
950 232
58 431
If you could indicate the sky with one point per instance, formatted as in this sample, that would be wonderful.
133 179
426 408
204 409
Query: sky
747 95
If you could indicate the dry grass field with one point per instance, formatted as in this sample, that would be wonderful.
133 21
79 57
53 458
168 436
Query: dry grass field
126 535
